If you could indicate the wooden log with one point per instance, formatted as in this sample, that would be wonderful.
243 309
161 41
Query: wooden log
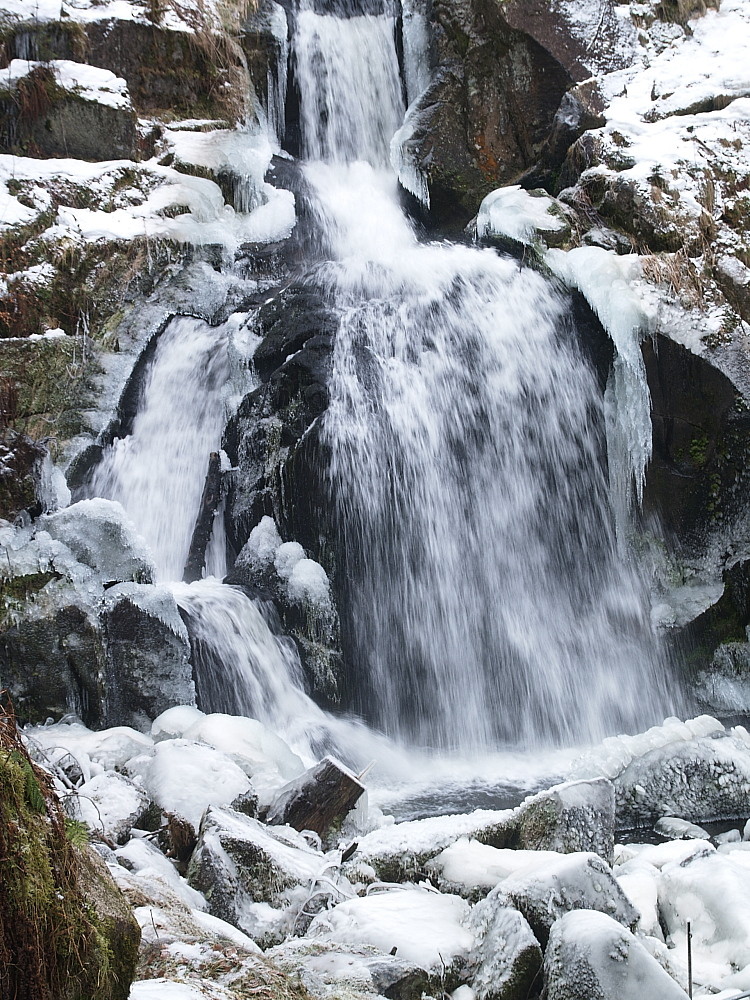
204 522
318 800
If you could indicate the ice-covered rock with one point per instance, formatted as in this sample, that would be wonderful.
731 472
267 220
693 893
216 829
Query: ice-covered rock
111 804
175 722
92 752
425 927
100 534
329 969
572 882
507 955
185 778
573 816
639 880
471 868
725 686
140 856
399 853
250 873
592 957
520 215
694 770
680 829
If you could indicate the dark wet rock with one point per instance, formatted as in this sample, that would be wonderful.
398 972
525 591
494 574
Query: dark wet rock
53 663
21 461
700 442
274 443
148 651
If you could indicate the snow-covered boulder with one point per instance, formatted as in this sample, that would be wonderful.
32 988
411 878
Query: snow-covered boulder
592 957
507 955
713 893
424 927
572 882
250 873
261 754
101 535
694 770
185 778
111 805
399 853
700 780
470 868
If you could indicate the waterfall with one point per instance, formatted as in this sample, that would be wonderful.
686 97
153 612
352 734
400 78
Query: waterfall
487 600
157 472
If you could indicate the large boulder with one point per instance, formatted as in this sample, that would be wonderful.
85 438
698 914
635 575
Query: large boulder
239 863
573 816
592 957
148 654
572 882
698 780
66 109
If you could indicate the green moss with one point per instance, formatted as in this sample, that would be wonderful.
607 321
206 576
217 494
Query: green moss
52 943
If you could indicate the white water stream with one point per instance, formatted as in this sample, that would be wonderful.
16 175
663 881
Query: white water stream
488 602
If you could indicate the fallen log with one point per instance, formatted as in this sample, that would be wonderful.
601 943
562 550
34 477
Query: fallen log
205 520
318 800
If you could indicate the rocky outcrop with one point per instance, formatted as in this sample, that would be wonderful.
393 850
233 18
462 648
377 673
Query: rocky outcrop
73 636
43 117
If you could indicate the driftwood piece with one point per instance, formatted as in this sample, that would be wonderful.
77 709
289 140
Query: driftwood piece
204 521
318 800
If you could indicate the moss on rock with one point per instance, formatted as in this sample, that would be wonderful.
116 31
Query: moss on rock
65 931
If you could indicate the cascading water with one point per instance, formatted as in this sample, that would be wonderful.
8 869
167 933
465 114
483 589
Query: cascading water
157 472
488 601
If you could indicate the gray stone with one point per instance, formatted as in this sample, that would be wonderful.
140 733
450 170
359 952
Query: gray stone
574 816
148 666
725 686
592 957
574 882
